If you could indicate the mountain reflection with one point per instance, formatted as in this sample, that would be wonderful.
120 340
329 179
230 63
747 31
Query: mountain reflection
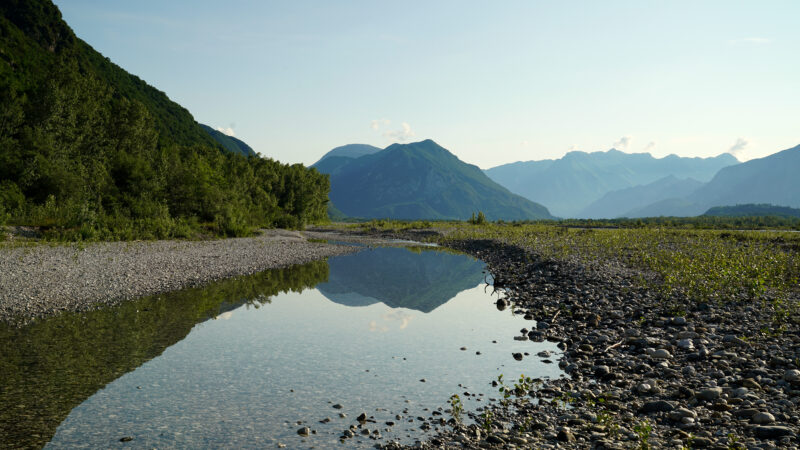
413 278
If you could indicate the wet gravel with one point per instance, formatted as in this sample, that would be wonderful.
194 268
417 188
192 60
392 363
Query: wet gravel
719 376
40 280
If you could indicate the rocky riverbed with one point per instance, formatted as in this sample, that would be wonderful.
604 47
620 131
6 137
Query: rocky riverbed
639 375
37 279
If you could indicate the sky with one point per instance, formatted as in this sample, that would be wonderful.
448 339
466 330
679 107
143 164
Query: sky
493 82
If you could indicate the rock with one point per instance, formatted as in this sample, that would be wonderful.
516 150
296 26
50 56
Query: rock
362 417
304 431
661 354
543 354
602 371
494 439
502 304
338 406
517 356
710 394
678 321
565 435
125 439
751 384
763 418
792 376
677 415
772 432
656 406
686 344
746 413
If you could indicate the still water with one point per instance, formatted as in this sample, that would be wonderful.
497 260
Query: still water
247 362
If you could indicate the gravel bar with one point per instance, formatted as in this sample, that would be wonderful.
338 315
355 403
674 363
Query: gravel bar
40 280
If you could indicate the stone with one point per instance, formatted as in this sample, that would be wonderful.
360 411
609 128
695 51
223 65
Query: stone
494 439
565 435
304 431
338 406
517 356
792 376
679 414
661 354
656 406
772 432
763 418
710 394
362 417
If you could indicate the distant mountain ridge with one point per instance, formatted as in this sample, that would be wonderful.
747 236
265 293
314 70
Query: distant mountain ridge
773 179
350 151
624 202
421 180
570 184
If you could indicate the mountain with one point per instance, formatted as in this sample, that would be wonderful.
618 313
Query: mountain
400 278
621 202
421 180
90 151
350 151
570 184
230 143
773 179
753 210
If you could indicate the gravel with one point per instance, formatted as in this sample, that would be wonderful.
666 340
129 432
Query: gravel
40 280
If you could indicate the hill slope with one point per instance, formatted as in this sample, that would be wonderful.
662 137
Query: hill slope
89 151
570 184
773 179
230 143
421 180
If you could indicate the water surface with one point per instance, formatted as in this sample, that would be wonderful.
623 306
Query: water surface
270 361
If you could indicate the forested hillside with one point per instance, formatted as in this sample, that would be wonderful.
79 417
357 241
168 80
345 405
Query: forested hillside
88 150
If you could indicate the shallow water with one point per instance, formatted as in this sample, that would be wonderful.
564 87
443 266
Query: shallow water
375 324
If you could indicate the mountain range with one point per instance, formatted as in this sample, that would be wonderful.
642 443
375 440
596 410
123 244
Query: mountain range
421 180
773 179
574 182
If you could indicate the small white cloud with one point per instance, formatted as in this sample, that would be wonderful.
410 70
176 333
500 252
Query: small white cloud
378 123
751 40
623 143
228 131
739 147
524 143
403 134
403 317
650 147
573 148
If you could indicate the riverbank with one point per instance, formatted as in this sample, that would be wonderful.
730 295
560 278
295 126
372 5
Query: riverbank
38 280
643 370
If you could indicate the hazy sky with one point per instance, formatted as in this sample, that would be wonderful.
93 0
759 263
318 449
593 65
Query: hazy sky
492 81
